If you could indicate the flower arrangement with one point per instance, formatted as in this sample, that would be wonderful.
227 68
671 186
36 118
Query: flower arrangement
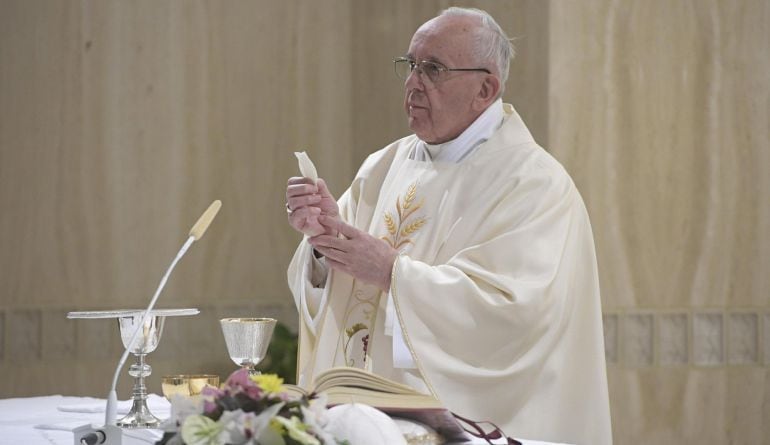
248 409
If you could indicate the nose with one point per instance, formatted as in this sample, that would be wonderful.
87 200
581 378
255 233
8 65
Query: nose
414 80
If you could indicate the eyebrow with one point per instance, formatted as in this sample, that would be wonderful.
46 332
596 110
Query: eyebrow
428 59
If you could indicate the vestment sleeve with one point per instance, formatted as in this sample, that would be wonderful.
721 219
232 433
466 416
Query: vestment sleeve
304 281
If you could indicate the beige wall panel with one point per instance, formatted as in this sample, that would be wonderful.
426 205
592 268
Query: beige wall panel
681 405
120 122
660 110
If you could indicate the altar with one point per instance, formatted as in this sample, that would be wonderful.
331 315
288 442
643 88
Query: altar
49 420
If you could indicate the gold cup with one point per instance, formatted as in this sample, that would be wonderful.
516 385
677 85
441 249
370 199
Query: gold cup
187 384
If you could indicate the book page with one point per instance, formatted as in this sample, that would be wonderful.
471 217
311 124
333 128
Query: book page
354 377
353 385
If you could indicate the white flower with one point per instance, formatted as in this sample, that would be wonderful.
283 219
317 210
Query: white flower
260 425
234 424
182 407
270 436
200 430
296 430
318 409
316 417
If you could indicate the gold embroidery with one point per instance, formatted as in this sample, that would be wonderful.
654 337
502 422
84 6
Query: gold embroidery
359 316
398 233
351 331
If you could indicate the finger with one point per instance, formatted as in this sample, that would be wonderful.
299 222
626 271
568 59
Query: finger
331 242
300 189
337 265
294 180
298 202
298 217
333 255
341 227
322 188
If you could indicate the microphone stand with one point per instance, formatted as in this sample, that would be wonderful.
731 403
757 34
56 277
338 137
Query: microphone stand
110 433
112 397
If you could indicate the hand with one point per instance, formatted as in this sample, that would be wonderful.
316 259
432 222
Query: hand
359 254
306 202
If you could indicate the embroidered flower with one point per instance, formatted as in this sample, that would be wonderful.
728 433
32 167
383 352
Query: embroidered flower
351 331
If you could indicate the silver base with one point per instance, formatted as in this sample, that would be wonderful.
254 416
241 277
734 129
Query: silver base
139 417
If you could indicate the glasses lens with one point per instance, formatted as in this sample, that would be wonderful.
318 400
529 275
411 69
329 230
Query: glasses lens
431 70
403 68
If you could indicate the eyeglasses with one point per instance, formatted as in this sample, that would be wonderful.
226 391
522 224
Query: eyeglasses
434 71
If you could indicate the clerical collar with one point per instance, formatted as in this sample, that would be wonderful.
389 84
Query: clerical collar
459 148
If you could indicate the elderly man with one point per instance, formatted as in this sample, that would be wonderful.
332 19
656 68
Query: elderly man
460 261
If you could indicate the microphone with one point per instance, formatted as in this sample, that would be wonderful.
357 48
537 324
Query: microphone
195 234
110 433
203 222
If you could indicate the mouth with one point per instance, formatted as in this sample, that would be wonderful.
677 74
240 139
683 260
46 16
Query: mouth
413 101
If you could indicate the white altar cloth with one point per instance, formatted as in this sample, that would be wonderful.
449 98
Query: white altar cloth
19 418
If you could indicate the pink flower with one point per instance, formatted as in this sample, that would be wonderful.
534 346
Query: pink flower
210 396
239 382
210 392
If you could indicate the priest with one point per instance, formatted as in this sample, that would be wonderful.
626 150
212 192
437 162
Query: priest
460 261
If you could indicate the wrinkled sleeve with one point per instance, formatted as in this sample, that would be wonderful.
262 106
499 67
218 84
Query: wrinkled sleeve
309 292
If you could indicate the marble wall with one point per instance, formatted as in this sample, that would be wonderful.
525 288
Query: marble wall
121 121
661 111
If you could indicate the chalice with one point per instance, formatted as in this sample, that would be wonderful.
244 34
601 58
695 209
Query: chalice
247 340
146 341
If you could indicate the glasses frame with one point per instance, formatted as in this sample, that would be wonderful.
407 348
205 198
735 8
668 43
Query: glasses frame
441 68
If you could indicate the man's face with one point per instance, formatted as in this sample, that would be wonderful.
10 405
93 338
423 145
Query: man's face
439 112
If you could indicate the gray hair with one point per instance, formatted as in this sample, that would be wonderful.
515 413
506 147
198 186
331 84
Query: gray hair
490 42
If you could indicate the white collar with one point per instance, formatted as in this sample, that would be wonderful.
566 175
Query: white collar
459 148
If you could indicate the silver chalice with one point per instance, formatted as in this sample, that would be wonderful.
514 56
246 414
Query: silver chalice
145 342
247 340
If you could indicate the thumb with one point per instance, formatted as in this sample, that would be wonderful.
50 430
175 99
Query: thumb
340 226
323 189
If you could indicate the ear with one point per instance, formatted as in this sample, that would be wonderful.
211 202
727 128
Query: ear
488 92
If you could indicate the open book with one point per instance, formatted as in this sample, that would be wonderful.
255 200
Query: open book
353 385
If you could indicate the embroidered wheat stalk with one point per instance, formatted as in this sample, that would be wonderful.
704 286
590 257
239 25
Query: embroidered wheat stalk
410 194
390 224
413 227
399 232
409 212
406 241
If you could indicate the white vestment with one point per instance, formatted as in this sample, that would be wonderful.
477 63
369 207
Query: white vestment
496 289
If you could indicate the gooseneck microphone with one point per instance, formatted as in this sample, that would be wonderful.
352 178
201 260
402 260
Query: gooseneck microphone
195 234
111 433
